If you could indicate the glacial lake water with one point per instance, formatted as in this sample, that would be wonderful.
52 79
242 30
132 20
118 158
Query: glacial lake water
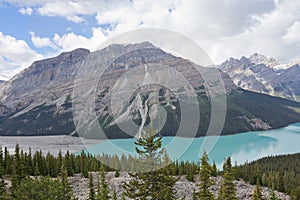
241 147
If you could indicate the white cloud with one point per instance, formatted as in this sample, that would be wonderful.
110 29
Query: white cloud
26 11
273 35
223 28
71 41
292 36
41 42
15 56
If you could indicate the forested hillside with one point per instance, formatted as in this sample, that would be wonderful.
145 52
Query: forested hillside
280 172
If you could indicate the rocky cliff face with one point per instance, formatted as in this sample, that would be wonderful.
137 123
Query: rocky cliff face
265 75
44 99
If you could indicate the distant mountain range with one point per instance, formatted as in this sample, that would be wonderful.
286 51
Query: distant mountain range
39 100
265 75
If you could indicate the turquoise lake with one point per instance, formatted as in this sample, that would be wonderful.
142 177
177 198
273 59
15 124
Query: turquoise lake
241 147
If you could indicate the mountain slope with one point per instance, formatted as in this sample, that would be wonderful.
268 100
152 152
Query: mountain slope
265 75
38 101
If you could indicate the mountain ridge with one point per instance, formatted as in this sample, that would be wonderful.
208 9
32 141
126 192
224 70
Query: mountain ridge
261 74
44 106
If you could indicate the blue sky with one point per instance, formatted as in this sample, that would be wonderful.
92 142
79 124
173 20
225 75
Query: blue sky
37 29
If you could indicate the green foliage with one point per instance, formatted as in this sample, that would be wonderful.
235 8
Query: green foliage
280 172
117 173
227 190
103 190
91 186
205 179
214 171
41 188
153 183
273 195
257 195
114 197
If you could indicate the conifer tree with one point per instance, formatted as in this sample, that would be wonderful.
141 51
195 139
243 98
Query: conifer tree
257 195
114 195
91 186
227 190
117 173
17 170
220 191
2 185
205 179
103 190
67 190
83 164
7 161
214 171
272 194
153 183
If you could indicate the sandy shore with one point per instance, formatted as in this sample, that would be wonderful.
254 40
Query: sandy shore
47 143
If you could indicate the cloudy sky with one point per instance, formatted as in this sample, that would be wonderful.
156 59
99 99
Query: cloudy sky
37 29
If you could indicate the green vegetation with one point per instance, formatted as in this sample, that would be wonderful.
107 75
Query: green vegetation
205 179
281 173
44 176
227 190
151 182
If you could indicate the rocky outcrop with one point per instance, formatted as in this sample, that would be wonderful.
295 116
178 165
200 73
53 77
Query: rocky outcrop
265 75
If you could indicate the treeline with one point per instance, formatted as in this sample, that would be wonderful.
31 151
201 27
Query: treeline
44 176
40 164
280 172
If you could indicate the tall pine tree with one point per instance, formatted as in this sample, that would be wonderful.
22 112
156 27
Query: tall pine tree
91 186
257 195
103 190
227 190
205 179
152 182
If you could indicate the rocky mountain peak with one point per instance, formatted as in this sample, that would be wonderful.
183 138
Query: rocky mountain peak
263 74
262 59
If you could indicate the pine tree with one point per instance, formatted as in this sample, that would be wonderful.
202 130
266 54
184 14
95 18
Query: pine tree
205 179
257 195
272 194
117 174
2 185
7 161
220 192
153 183
214 171
103 190
227 190
18 170
83 164
67 190
114 195
91 186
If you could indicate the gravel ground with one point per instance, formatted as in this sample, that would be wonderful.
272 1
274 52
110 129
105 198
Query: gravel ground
47 143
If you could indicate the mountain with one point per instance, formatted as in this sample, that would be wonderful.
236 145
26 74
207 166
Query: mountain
265 75
42 99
